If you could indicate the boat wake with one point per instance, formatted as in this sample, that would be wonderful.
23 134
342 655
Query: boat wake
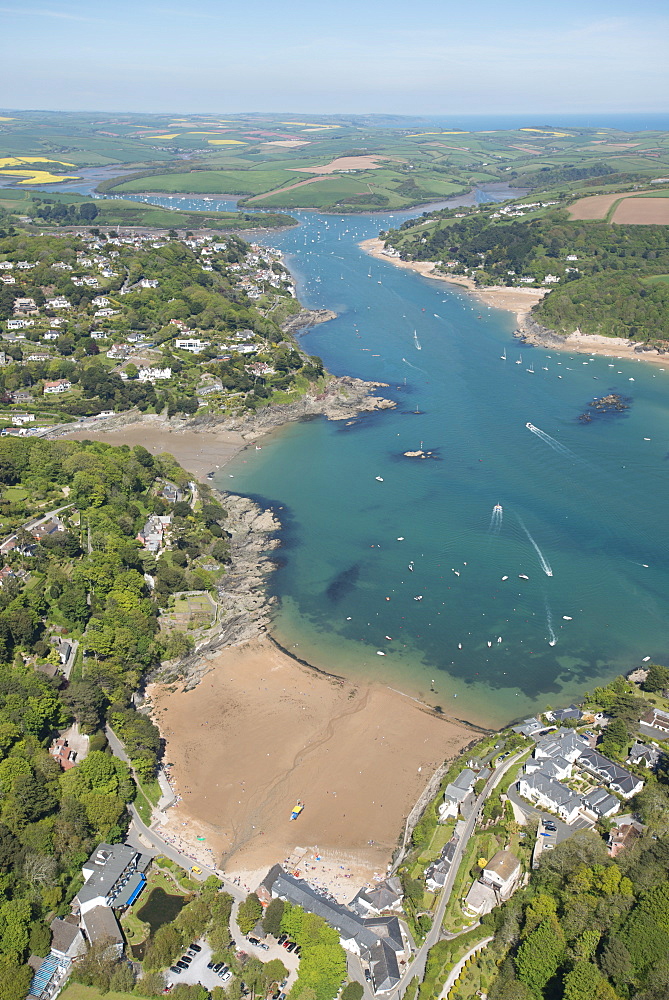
550 441
549 623
496 519
545 565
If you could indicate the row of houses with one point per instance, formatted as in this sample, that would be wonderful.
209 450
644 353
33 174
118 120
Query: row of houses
378 940
553 761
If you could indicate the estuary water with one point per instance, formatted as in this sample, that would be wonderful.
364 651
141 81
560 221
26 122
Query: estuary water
518 567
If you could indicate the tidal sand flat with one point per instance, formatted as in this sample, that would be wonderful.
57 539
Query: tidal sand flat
261 732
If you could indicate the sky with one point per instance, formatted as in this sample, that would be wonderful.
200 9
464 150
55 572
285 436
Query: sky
426 57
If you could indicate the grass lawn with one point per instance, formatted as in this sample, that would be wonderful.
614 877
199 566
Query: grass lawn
14 493
74 991
143 807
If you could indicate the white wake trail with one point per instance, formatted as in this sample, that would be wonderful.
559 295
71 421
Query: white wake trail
550 441
545 565
549 623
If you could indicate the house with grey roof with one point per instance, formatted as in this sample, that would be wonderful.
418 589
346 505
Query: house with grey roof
114 877
616 777
437 873
554 767
387 895
561 714
377 940
547 793
458 794
100 925
528 727
600 802
67 941
644 755
561 743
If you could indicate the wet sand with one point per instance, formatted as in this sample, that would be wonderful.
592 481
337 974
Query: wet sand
261 731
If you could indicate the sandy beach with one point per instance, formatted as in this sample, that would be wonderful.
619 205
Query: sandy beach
198 452
261 731
520 301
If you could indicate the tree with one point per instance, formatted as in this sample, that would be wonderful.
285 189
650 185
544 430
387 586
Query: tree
657 678
249 913
615 738
539 955
352 991
14 979
582 981
271 920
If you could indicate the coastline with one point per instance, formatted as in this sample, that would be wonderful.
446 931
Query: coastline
520 301
358 754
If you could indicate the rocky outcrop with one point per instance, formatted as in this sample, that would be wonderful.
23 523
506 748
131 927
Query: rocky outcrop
306 318
243 603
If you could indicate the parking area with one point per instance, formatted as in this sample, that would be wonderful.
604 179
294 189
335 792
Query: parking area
197 972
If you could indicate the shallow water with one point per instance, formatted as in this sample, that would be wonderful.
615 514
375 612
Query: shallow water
583 506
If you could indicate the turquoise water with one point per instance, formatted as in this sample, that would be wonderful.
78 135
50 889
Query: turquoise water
591 498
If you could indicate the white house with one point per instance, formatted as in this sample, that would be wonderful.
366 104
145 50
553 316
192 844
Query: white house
100 300
502 873
148 283
153 374
548 793
105 313
192 344
19 324
60 385
601 803
60 302
22 418
616 777
456 793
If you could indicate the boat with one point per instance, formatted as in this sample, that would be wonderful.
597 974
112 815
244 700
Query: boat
411 566
503 355
505 578
297 809
520 360
498 508
521 576
380 652
530 369
417 341
419 598
379 479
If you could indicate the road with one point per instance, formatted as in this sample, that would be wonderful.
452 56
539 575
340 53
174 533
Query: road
563 830
140 832
417 967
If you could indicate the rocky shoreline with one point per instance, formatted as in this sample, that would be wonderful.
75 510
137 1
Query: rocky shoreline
307 318
243 602
531 332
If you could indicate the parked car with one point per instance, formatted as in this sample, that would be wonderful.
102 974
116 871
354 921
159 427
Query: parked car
218 966
291 946
550 825
175 969
261 944
282 938
187 959
194 947
368 976
253 940
298 950
196 870
287 943
225 976
181 965
210 965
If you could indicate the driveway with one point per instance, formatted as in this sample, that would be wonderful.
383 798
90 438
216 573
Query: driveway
563 830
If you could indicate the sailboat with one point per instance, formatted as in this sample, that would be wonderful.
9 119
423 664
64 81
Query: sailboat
417 341
530 369
503 355
520 360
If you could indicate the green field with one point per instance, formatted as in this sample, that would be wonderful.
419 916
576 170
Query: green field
248 155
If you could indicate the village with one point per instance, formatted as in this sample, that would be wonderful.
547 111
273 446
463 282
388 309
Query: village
502 807
88 311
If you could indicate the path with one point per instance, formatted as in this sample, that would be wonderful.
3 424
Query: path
457 969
